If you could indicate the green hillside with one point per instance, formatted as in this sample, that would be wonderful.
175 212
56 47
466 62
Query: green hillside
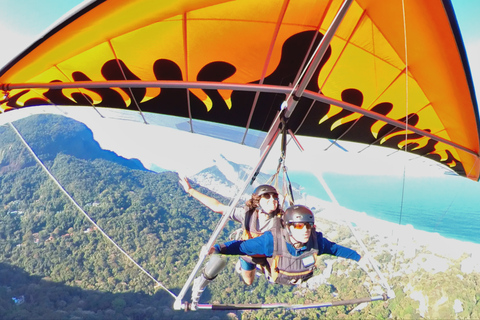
63 268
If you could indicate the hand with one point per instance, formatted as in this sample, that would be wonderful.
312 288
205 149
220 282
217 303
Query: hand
185 184
212 250
364 264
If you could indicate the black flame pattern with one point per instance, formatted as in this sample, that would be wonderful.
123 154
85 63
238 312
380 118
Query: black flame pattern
174 101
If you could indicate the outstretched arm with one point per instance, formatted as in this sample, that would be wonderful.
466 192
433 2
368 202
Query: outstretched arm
336 249
262 245
210 202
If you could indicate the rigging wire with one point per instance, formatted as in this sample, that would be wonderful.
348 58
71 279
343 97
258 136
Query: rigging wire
402 201
158 284
287 192
132 96
406 100
383 280
84 95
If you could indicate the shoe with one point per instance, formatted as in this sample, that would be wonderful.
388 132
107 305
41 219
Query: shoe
238 267
199 285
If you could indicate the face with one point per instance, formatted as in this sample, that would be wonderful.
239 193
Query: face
269 202
300 231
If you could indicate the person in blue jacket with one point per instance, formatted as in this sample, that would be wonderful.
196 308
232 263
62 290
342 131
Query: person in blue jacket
291 249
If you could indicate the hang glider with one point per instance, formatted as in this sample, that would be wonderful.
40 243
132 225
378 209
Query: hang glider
387 73
390 75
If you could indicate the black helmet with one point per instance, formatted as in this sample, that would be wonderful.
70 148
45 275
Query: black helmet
264 188
298 213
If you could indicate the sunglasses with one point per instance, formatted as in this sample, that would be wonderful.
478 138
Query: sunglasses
300 225
268 195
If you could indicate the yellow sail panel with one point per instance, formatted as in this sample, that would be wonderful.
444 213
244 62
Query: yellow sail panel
104 21
162 39
433 57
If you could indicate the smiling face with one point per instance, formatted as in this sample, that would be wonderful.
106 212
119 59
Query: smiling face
300 232
269 202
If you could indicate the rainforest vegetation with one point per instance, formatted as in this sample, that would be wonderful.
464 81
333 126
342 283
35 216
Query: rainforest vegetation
55 264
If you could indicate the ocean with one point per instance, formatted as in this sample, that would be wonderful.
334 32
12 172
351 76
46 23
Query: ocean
448 205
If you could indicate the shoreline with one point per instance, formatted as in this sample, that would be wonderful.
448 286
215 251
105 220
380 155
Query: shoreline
405 236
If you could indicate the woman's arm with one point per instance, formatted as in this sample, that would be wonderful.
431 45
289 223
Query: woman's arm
212 203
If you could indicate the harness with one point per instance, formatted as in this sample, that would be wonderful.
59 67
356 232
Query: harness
250 223
250 231
286 268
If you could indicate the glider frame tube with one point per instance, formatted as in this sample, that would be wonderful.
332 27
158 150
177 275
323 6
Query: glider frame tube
232 86
290 306
179 304
320 52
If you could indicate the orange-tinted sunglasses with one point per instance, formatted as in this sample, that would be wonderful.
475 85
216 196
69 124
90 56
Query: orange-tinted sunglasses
300 225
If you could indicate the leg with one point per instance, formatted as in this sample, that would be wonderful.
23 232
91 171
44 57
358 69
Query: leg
248 271
210 272
248 276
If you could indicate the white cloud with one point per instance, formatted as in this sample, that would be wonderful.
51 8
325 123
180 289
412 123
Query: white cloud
12 43
171 149
356 161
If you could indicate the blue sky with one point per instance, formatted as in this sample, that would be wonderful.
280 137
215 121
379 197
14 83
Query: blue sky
22 21
30 17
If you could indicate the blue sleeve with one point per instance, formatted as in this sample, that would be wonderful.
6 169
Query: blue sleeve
262 245
328 247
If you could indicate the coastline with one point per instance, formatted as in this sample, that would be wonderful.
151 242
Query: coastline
403 237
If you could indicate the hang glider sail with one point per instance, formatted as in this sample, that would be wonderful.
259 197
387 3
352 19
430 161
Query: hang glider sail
394 73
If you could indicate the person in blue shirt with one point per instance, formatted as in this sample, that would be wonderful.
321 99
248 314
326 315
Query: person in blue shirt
291 249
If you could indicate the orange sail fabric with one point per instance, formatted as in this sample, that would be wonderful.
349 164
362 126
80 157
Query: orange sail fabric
406 63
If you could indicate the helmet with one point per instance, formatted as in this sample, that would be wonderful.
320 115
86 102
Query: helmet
298 213
264 188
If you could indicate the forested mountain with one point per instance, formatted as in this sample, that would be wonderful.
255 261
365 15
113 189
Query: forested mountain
54 264
48 242
49 135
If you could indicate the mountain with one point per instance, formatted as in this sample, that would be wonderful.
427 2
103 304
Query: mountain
223 178
49 135
55 264
226 177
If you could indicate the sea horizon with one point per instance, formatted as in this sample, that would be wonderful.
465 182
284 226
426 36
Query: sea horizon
439 205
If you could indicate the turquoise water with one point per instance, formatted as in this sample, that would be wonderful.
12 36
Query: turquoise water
448 205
